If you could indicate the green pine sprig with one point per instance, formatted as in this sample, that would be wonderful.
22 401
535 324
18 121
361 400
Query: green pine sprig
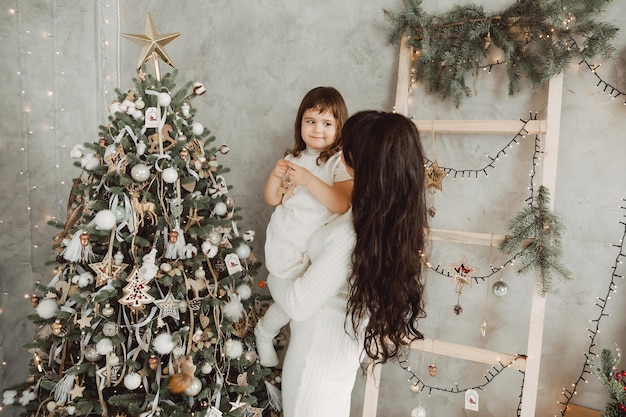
535 239
605 373
538 38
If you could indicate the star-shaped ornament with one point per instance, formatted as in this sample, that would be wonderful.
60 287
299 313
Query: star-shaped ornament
463 272
234 405
106 270
116 160
434 176
168 306
84 321
77 391
152 43
193 218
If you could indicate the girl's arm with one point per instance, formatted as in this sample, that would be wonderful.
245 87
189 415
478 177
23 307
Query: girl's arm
336 198
325 278
272 192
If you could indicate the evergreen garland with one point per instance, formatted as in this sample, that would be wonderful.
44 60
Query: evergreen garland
536 239
613 379
538 39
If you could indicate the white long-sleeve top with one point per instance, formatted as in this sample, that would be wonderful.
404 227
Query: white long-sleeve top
323 356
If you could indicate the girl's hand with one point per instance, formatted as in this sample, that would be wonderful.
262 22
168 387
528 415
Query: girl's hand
280 168
299 175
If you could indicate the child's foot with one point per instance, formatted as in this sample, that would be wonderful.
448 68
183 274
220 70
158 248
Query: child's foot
265 348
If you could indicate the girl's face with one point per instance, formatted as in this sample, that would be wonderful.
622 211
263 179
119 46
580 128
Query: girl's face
318 129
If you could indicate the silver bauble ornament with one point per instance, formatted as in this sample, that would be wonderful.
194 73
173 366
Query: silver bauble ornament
243 251
170 175
418 411
120 213
250 356
500 288
91 353
214 237
140 172
194 388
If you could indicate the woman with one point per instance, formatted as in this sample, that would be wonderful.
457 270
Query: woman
365 281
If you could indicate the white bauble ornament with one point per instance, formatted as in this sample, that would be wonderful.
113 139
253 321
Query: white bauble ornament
170 175
141 148
418 411
140 172
105 220
206 368
199 273
139 103
220 209
137 114
233 348
132 381
71 410
114 360
164 99
47 308
244 291
197 129
184 109
214 237
194 388
243 251
91 353
182 306
163 343
120 213
500 288
104 346
51 406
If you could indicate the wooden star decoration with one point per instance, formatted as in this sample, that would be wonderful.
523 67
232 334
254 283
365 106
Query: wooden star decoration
250 411
193 218
463 272
77 391
84 321
226 236
152 43
434 176
168 306
116 160
106 270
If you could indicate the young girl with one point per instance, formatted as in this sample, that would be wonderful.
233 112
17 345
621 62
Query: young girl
309 187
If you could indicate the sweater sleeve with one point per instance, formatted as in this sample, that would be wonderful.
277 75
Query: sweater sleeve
325 278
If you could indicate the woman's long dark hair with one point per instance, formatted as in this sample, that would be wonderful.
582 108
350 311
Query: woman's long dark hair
390 221
320 99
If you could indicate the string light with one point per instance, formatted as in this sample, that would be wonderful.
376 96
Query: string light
601 303
538 151
473 173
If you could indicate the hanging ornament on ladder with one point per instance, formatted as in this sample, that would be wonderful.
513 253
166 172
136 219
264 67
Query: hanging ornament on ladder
462 276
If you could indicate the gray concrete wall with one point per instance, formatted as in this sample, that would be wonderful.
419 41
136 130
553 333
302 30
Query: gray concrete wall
62 59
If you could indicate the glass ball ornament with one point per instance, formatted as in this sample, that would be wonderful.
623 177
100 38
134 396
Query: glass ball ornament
194 388
164 99
214 237
140 172
500 288
91 353
220 209
243 251
197 129
418 411
132 381
120 213
107 310
169 175
139 103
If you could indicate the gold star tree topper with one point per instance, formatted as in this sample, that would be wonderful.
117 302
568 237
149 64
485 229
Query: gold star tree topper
152 45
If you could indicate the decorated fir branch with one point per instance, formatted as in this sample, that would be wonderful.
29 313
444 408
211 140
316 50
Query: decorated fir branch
535 238
152 304
614 380
537 40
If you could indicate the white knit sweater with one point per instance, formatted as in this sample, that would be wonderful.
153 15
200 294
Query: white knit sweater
322 359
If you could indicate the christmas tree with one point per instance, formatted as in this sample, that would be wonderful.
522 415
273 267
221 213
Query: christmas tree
152 305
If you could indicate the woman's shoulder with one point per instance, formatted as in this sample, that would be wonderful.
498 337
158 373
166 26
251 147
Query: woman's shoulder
341 226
